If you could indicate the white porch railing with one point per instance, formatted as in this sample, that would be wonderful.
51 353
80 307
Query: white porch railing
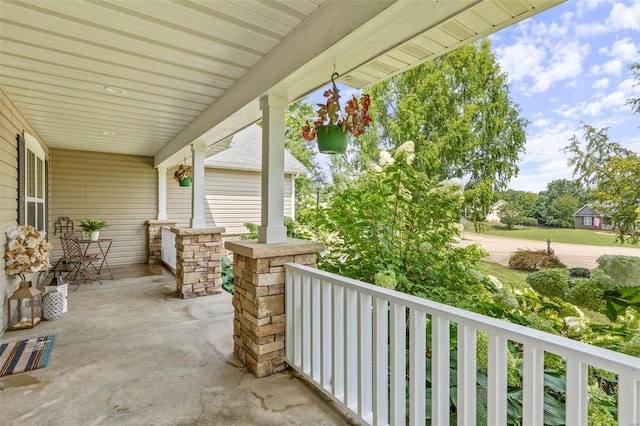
168 255
364 346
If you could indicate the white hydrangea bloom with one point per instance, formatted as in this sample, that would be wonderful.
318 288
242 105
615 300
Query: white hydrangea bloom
405 150
385 159
495 281
575 326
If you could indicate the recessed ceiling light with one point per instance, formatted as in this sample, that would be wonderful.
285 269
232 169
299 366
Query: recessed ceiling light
109 133
115 90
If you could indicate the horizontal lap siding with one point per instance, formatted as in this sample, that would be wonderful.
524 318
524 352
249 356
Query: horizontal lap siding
119 189
11 123
232 198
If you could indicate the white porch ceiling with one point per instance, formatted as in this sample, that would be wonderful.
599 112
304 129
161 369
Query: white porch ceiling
196 69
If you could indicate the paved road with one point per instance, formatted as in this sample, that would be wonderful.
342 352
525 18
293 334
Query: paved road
572 255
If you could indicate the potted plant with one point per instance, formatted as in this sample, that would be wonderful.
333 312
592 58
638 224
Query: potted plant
183 175
332 127
92 227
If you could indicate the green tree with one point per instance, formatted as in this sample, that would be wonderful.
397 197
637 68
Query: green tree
509 214
613 173
560 211
635 102
559 214
523 200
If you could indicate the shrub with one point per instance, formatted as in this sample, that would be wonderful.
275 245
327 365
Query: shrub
587 294
625 270
227 273
528 221
534 260
253 231
550 282
579 273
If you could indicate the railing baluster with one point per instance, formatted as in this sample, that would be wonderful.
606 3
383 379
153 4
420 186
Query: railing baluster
628 401
297 321
351 349
338 342
497 380
467 381
365 356
533 386
326 327
577 393
305 289
398 364
440 370
380 361
315 329
417 355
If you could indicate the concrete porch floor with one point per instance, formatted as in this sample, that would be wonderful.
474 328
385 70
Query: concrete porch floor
130 352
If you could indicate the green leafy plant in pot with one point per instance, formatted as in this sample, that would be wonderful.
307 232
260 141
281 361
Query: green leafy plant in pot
332 127
92 227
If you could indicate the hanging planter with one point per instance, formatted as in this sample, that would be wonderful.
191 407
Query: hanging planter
332 128
183 175
331 139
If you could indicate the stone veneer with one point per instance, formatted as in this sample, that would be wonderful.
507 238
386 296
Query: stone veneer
198 267
259 298
154 239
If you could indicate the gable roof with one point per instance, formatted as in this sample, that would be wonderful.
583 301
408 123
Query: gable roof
587 210
244 152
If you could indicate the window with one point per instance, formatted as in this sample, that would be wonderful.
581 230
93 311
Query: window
587 221
34 184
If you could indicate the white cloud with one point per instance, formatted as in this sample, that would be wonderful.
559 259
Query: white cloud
521 60
625 17
565 63
613 67
602 83
625 50
541 122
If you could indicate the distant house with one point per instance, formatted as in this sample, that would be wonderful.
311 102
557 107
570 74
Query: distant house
233 185
589 218
494 211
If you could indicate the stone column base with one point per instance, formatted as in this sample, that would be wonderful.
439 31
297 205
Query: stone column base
259 297
154 239
198 267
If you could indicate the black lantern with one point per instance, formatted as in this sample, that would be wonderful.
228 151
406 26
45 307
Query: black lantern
26 303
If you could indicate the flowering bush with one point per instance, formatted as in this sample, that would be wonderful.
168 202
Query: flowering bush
354 120
28 250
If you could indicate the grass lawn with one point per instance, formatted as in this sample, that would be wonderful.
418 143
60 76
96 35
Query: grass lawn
557 235
508 277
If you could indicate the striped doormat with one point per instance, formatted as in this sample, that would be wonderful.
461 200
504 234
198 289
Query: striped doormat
16 357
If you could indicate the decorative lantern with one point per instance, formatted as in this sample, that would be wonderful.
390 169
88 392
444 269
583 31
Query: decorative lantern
58 285
26 303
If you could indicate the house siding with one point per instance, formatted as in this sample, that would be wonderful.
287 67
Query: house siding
119 189
11 123
232 198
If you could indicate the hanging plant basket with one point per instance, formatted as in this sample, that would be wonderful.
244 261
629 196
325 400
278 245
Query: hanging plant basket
185 182
331 139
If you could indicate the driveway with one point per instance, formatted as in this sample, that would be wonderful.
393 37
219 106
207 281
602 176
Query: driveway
572 255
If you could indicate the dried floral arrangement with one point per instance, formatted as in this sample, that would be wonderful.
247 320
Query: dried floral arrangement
28 250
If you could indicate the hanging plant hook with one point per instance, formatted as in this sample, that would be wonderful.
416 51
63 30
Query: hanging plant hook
333 77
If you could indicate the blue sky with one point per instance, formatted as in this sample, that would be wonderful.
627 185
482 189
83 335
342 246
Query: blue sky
569 65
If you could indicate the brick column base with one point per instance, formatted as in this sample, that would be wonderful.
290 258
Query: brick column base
154 239
259 297
198 267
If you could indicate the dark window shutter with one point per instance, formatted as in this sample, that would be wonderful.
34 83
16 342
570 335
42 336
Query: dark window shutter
22 177
46 197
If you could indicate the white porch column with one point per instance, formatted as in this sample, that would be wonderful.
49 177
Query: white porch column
162 193
272 213
197 189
